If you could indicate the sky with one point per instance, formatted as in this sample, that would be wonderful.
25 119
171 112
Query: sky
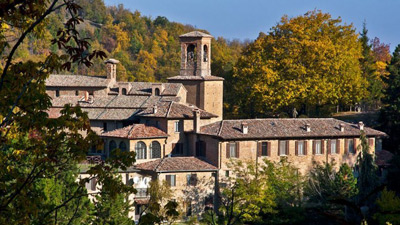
245 19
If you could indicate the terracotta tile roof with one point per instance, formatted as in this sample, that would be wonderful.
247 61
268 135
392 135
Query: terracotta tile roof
196 34
99 113
136 131
144 88
383 158
174 110
172 164
195 78
76 81
284 128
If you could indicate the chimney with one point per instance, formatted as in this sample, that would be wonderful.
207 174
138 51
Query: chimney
155 109
86 96
245 128
111 66
308 127
361 125
341 127
196 121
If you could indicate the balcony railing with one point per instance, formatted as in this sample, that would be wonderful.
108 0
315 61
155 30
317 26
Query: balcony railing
92 159
141 193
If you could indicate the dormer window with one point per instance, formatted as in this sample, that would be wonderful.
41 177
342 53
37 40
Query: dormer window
123 91
157 92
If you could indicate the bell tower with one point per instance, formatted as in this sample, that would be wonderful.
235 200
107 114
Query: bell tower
195 54
203 90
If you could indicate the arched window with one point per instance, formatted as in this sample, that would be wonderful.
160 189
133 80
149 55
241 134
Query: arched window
140 149
123 91
122 146
191 53
205 53
157 92
155 150
112 146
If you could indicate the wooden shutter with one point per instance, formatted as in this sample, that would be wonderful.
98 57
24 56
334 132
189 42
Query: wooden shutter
228 146
371 142
193 179
168 178
237 149
269 148
305 147
322 147
287 148
259 149
279 148
346 146
313 147
328 147
355 144
296 148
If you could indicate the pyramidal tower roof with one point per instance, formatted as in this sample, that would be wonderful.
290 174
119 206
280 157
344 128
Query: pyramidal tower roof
196 34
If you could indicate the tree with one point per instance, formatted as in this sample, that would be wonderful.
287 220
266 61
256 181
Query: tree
390 113
389 208
305 61
263 192
161 207
113 211
37 153
331 189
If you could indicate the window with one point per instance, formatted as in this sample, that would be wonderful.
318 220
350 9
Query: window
157 92
227 173
177 126
201 148
91 185
57 93
205 53
300 148
155 150
140 149
122 146
191 53
232 151
76 93
350 146
333 148
191 179
283 148
112 145
171 180
104 127
264 149
177 148
123 91
317 147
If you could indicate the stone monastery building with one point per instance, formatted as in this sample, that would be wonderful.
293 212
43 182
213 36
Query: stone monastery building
178 132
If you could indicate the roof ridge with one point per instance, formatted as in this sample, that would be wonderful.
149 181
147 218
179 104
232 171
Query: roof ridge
234 120
129 132
169 109
159 164
220 128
